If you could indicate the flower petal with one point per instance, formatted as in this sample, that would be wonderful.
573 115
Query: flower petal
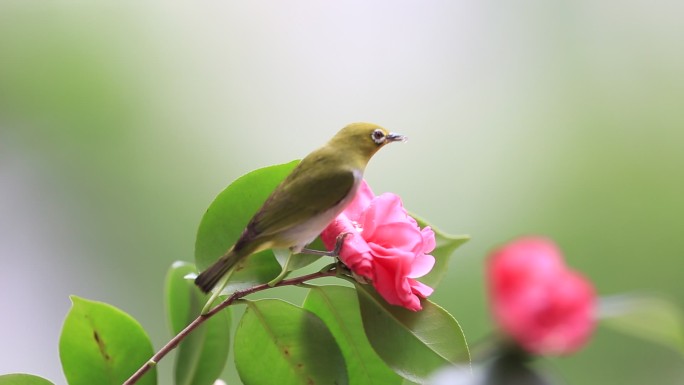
362 199
341 224
398 235
384 209
356 254
429 242
422 264
420 288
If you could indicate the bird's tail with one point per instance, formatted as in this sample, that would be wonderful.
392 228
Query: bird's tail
213 274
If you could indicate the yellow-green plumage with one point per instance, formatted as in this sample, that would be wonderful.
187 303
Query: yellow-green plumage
309 198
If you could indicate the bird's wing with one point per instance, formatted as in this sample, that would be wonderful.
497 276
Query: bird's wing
300 198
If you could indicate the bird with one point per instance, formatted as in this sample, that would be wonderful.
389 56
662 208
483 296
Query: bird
317 190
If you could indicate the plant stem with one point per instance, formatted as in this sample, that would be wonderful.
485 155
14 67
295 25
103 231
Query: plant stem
203 317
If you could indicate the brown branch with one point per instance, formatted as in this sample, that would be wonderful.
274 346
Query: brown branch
203 317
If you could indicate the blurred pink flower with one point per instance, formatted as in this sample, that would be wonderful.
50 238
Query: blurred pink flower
385 245
544 306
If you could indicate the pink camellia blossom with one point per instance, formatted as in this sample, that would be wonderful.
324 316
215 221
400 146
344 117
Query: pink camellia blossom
385 245
544 306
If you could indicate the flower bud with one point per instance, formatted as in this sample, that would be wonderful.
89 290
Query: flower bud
545 307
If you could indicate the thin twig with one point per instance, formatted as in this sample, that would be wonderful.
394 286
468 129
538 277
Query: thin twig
202 318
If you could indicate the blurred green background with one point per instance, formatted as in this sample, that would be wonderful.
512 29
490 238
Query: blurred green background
121 121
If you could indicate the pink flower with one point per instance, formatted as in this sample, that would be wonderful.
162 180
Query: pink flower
544 306
385 246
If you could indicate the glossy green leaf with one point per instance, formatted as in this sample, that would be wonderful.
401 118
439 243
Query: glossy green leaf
649 317
101 344
227 217
201 355
446 245
23 379
338 307
280 343
413 344
179 300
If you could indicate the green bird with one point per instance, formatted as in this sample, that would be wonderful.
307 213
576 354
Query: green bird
309 198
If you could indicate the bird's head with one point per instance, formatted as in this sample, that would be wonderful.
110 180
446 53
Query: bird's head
364 139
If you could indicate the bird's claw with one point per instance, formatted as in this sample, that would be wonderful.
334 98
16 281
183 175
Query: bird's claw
339 241
335 252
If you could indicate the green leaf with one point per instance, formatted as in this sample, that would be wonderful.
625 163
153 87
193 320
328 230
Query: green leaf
446 245
413 344
23 379
280 343
227 217
203 353
338 307
652 318
178 298
101 344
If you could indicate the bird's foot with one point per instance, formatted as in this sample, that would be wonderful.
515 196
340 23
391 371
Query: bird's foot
339 241
335 252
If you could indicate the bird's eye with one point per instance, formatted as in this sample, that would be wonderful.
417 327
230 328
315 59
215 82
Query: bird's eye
378 136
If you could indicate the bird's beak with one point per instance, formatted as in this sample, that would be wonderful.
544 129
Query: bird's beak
392 137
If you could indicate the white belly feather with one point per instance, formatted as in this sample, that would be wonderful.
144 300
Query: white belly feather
305 233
